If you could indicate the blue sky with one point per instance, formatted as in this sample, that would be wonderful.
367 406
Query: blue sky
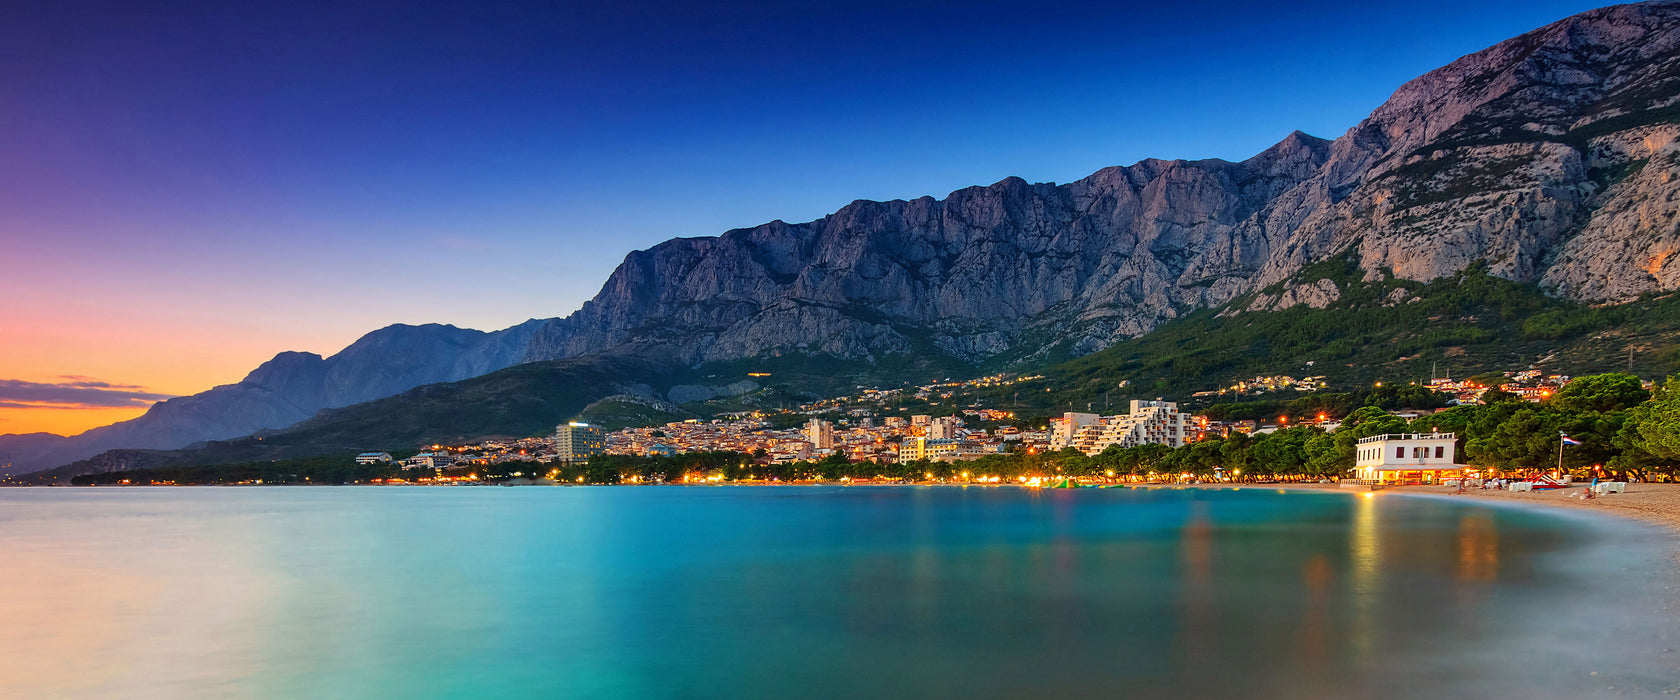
293 174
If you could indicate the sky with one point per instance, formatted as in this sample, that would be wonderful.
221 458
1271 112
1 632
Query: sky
188 188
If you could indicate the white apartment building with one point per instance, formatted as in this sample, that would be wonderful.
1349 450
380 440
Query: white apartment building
1148 423
576 442
1407 458
1066 428
429 460
820 434
942 450
943 428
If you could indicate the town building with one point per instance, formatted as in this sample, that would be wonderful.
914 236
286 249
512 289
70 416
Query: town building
944 428
577 442
429 460
820 434
1148 423
943 450
1407 458
1064 429
373 457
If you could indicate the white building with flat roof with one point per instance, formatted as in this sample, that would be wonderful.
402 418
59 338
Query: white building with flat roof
1065 429
577 442
1148 423
820 434
1407 458
942 450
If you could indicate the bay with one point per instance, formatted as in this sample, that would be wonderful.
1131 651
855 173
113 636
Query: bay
820 591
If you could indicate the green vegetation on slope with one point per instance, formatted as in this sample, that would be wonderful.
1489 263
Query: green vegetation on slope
611 414
325 470
1392 331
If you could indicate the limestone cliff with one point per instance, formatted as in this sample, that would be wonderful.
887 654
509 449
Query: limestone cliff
1551 156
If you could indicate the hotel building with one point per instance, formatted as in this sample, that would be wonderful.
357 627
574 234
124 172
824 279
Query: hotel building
1148 423
1407 458
576 442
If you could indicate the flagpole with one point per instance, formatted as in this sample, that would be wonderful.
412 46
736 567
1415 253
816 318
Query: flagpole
1560 455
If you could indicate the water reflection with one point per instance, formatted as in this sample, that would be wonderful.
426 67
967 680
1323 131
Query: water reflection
1365 586
810 592
1478 547
1313 638
1197 596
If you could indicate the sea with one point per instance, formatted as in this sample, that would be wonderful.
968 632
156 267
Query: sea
823 592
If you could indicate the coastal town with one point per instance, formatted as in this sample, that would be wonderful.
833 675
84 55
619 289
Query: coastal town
865 427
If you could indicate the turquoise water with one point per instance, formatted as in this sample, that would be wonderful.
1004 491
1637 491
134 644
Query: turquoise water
658 592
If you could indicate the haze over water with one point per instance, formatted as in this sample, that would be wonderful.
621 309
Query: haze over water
819 591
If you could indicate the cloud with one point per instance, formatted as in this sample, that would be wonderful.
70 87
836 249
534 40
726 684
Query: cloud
75 392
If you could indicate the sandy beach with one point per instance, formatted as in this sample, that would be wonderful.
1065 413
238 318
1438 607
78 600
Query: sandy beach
1658 504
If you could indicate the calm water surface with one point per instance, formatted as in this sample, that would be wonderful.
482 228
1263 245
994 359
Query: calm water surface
820 592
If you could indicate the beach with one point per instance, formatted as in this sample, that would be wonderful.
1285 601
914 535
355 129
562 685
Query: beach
1658 504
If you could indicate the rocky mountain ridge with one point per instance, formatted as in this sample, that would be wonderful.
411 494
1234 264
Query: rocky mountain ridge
1551 157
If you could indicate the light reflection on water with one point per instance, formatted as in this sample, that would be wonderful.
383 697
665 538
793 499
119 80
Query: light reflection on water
817 591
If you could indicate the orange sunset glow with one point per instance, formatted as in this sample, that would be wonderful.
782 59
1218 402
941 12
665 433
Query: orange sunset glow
170 359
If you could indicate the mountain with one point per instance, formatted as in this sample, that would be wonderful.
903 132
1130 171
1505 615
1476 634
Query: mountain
1105 257
1548 159
526 399
1550 156
290 388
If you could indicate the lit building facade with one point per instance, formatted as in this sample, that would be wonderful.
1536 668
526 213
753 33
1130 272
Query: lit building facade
1148 423
1407 458
577 442
1066 428
820 434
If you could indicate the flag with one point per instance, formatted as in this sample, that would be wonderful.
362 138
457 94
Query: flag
1569 440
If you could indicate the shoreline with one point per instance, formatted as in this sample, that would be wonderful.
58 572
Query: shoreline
1653 504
